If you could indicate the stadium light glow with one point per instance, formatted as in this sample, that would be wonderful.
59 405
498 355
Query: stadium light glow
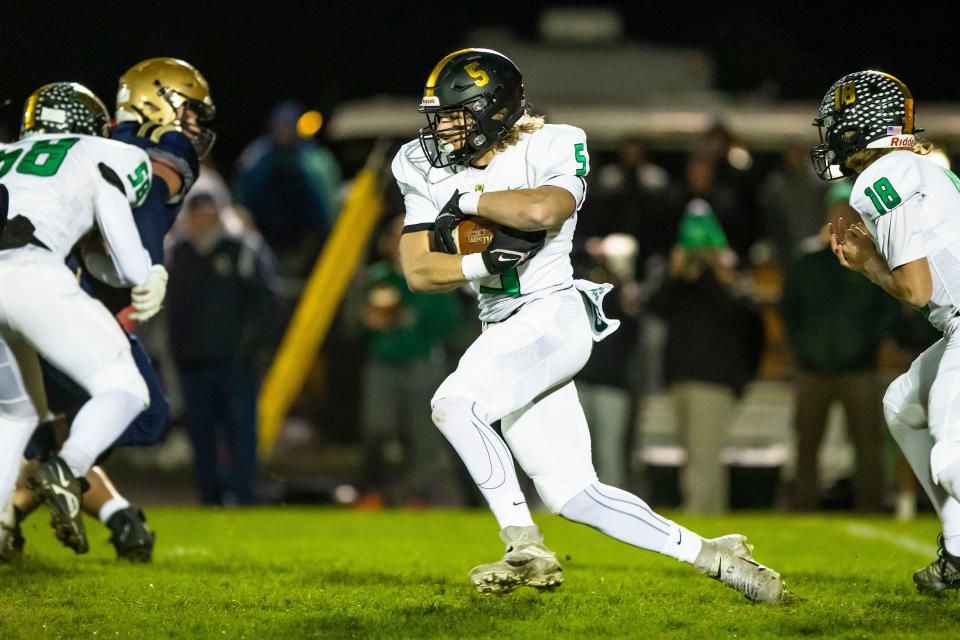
309 123
740 158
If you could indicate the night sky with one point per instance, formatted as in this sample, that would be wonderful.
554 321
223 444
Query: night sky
322 53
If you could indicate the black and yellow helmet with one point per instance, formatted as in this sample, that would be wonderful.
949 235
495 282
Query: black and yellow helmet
480 90
862 110
153 91
64 107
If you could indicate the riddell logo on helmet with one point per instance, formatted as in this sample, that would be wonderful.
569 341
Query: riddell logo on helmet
893 142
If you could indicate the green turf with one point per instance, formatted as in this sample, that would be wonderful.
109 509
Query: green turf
292 573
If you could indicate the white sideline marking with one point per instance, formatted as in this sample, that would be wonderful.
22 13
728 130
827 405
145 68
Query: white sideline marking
182 552
904 542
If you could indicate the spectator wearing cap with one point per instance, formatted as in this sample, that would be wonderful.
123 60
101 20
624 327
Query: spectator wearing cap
713 347
835 322
221 308
290 184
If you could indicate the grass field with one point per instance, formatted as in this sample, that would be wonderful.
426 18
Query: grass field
312 573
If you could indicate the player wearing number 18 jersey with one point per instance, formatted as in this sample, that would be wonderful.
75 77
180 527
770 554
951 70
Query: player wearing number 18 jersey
483 154
908 243
64 180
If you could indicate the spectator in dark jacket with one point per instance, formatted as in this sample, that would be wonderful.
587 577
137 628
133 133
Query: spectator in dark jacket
714 343
835 322
221 306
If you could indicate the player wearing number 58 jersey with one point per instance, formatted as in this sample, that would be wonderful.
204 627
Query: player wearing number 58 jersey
64 180
482 154
908 243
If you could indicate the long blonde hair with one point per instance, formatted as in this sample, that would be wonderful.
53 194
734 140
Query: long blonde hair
528 123
860 160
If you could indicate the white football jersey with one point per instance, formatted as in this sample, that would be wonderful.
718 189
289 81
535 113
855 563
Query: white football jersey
53 180
554 155
911 206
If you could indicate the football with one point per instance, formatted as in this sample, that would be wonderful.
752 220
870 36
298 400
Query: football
474 234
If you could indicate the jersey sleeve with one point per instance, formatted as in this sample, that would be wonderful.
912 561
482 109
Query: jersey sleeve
133 166
889 195
420 210
900 233
559 158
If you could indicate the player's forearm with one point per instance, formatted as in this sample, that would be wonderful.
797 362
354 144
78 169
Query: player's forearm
896 284
433 272
524 209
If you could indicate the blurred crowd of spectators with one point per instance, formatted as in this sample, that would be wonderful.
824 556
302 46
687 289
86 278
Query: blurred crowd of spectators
685 246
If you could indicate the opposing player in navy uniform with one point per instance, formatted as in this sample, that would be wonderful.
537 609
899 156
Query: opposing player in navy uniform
482 154
163 107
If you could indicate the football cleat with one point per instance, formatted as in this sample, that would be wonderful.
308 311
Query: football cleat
729 559
11 537
131 536
943 573
527 562
56 486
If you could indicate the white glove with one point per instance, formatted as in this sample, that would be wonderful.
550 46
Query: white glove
148 298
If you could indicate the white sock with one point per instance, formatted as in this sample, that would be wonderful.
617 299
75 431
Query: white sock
100 422
486 457
949 480
111 506
627 518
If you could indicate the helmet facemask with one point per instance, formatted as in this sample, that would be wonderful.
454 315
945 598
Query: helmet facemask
836 145
453 136
201 137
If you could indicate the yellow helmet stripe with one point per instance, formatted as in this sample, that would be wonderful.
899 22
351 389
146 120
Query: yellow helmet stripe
432 80
907 103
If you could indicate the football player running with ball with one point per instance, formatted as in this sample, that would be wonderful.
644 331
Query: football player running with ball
908 243
482 154
65 179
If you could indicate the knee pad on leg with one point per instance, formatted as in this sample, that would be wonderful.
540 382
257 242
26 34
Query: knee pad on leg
450 411
900 412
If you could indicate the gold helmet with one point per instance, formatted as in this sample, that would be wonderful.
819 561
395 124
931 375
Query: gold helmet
155 90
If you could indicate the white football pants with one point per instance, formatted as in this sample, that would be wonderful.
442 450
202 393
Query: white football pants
922 410
520 371
43 310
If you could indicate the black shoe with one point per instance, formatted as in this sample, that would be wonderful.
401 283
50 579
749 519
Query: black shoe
56 486
132 538
942 573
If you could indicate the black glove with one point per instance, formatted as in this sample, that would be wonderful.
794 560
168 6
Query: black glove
442 239
510 248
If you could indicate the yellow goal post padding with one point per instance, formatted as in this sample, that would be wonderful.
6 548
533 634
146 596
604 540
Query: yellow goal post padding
338 260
